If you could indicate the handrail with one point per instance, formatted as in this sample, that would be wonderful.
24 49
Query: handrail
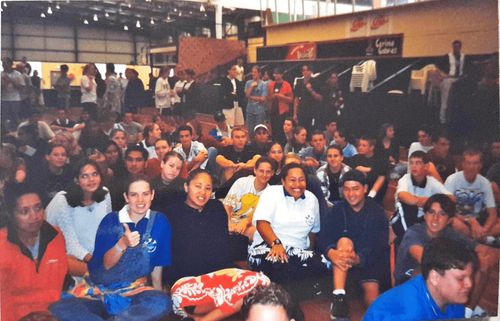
394 75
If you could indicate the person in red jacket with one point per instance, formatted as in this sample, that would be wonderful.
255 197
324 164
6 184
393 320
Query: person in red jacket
33 263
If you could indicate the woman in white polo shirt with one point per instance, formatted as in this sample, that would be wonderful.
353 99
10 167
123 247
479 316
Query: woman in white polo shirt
287 219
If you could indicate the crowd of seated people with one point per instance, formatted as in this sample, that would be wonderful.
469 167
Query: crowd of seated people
132 220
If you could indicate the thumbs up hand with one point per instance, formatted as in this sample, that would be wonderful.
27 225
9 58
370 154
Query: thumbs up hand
131 238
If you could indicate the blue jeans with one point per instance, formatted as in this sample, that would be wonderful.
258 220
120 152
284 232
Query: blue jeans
145 306
254 120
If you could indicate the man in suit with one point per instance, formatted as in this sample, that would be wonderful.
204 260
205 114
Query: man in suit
232 94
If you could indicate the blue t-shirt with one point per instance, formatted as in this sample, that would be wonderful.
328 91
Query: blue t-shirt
411 301
255 107
417 235
110 230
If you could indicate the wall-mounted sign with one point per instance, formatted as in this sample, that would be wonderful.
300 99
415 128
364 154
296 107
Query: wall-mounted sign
375 46
375 24
304 51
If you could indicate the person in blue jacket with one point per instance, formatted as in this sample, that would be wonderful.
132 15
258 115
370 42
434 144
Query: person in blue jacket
441 291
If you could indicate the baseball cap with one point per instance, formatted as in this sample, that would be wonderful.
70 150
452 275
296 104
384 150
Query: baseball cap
260 126
354 175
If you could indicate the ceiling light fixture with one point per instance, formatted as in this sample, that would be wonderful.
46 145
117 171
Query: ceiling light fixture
58 7
5 4
85 22
152 21
95 17
106 15
49 10
130 5
202 8
180 13
138 24
175 9
190 12
42 15
125 27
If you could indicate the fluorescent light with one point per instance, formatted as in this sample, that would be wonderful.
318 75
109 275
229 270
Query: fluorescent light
58 7
49 10
138 24
125 27
42 15
152 21
85 22
95 17
106 15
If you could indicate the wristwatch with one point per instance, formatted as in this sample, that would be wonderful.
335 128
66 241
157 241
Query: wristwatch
276 242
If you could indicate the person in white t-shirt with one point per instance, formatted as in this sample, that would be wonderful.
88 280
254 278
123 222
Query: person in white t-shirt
88 88
476 208
424 143
240 204
413 190
287 220
162 91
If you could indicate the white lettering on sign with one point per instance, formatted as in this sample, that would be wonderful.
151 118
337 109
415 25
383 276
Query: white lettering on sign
386 47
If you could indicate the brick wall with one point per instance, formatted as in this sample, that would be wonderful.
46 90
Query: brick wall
204 54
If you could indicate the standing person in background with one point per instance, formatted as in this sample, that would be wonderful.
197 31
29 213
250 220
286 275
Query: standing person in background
36 81
453 67
163 91
280 97
307 108
190 95
100 90
232 94
63 88
334 98
256 93
134 93
26 91
12 82
240 69
113 95
88 87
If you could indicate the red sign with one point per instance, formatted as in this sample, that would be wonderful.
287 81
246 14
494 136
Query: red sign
357 24
379 21
304 51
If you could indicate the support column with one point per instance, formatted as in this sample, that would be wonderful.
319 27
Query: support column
218 21
75 41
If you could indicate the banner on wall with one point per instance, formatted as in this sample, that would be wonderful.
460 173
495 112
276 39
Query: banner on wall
374 46
376 24
304 51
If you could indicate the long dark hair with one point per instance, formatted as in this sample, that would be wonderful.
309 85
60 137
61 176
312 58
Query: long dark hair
74 193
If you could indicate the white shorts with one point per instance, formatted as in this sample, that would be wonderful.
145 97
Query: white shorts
234 116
